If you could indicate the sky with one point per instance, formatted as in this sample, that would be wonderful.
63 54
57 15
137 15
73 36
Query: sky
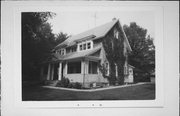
75 22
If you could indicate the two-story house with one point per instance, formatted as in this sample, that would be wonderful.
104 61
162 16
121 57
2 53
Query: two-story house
78 57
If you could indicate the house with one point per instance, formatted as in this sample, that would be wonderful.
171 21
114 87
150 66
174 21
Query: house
78 58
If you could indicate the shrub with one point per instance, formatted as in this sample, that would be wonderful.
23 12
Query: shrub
77 85
70 85
63 83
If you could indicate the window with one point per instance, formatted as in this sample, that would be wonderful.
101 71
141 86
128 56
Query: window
74 67
61 51
73 49
107 68
80 47
93 67
130 71
88 45
125 70
116 33
84 46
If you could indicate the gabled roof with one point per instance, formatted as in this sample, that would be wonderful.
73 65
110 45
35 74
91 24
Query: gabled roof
95 33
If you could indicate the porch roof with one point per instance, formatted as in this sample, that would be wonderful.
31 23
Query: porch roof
75 55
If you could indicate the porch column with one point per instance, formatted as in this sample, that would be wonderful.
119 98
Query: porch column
49 71
52 72
87 66
65 68
59 71
82 67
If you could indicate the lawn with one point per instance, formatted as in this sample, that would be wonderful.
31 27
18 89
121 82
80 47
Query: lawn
139 92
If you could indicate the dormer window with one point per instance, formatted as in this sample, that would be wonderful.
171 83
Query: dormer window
89 45
62 51
80 47
116 33
85 45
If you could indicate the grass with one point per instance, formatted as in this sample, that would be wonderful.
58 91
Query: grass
139 92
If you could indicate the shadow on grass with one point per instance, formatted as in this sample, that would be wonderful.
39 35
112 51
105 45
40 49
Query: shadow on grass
139 92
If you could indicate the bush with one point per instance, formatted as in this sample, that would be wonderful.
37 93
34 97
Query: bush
77 85
141 77
70 85
66 83
63 83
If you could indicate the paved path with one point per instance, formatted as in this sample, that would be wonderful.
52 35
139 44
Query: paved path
92 90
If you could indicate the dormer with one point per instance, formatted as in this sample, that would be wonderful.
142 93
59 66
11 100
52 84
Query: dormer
61 51
85 45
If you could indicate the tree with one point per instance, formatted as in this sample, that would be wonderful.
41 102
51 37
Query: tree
143 49
61 37
37 40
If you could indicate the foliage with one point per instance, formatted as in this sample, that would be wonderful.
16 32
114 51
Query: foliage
63 83
77 85
61 37
143 49
114 53
37 42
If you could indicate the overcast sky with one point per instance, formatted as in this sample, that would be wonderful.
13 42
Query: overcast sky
76 22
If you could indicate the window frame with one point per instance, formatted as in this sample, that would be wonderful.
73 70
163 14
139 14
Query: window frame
116 33
87 45
75 66
91 68
107 68
61 51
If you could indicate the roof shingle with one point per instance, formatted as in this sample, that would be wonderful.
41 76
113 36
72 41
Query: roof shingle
96 32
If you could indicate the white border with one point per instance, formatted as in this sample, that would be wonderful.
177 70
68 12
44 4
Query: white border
19 7
11 106
158 11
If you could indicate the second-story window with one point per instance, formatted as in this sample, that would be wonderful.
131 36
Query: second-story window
89 45
116 33
85 45
73 49
62 52
80 47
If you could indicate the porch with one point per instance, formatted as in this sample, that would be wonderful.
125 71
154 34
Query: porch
82 70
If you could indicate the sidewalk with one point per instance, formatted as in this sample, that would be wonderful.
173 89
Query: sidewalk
93 90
